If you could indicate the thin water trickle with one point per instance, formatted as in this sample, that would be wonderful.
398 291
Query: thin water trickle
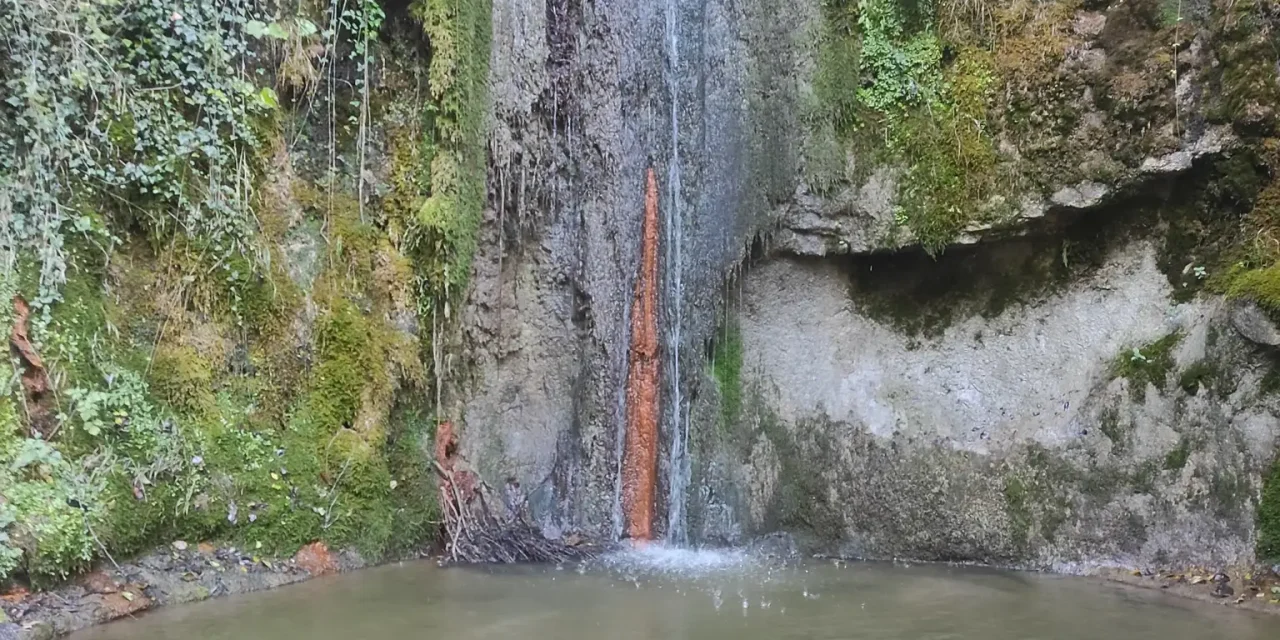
678 471
668 593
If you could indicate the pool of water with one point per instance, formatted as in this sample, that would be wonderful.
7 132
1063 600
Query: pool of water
673 594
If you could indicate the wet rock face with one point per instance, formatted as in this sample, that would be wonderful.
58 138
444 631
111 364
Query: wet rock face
1042 435
586 97
1085 417
779 545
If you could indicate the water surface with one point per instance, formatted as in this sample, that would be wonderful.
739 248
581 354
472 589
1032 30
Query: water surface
671 594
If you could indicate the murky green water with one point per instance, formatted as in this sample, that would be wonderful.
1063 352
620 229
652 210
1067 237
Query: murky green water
681 595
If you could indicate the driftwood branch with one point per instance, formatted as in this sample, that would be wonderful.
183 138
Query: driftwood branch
474 534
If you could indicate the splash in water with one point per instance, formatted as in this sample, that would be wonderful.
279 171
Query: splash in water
662 560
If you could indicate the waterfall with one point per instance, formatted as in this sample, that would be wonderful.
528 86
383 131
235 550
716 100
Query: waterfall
678 471
638 486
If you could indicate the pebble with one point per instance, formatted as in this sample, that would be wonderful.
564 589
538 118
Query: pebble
180 545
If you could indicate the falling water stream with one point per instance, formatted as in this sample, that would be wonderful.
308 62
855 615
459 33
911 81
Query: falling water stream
676 594
678 470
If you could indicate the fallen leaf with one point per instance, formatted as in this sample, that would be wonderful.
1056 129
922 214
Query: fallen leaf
128 595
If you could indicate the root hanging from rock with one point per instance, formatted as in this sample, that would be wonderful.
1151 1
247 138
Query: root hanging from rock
474 534
36 389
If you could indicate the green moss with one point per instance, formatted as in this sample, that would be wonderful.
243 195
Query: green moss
1176 459
1020 516
183 379
801 504
1148 364
259 297
155 514
446 226
1268 519
1035 501
951 177
1111 427
726 368
1205 374
79 335
1229 492
1244 42
351 365
239 432
882 85
1260 285
835 84
415 509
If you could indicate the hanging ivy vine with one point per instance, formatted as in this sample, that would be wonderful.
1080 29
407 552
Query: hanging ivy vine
139 108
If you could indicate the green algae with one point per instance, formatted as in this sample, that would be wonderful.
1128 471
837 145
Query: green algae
1268 519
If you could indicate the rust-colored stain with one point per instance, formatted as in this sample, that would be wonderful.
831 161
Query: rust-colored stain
640 453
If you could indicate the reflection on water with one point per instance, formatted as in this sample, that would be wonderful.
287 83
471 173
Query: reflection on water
674 594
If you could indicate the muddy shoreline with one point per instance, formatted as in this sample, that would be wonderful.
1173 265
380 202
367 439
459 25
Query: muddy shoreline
1250 589
179 574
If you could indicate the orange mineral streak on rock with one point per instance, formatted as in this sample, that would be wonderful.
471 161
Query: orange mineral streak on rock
640 453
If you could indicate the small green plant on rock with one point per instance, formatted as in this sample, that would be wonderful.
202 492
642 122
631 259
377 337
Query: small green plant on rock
1148 364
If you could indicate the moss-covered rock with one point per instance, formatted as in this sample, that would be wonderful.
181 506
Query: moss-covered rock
1269 516
262 383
